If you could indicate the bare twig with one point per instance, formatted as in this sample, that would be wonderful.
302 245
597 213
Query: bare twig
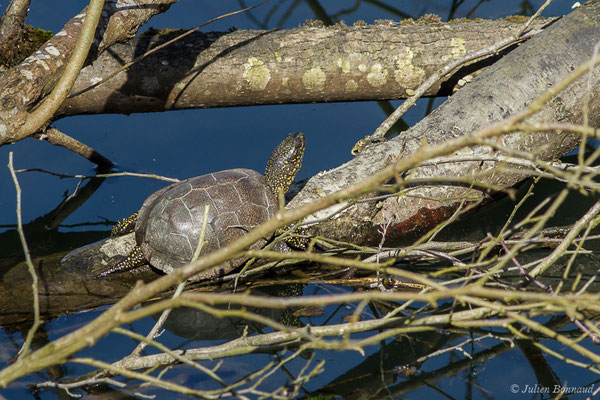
111 175
159 323
581 224
25 349
148 340
146 378
58 138
201 241
533 17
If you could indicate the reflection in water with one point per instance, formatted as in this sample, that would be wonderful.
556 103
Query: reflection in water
196 324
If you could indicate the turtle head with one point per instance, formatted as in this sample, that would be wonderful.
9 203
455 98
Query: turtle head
284 163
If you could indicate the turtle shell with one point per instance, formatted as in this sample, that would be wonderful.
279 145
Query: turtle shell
170 220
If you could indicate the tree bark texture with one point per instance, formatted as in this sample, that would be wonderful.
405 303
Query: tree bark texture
503 89
23 86
12 29
307 64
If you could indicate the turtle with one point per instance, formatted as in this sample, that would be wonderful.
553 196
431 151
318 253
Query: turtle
167 226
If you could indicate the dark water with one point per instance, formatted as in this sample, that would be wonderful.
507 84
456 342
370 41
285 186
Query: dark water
187 143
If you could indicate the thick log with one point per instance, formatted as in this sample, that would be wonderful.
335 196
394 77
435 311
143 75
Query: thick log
306 64
70 285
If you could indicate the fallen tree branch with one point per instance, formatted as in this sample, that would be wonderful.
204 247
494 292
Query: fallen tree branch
496 95
240 68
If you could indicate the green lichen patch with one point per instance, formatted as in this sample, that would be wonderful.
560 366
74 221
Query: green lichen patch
314 79
351 85
406 73
518 19
429 19
256 73
457 47
384 22
378 75
37 35
344 64
314 23
466 20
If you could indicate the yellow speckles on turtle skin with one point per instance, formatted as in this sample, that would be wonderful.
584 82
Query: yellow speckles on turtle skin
134 259
125 225
285 162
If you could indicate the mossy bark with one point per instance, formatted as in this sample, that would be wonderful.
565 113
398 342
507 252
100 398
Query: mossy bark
24 85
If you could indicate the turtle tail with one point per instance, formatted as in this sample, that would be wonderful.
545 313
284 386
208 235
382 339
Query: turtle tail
125 225
135 259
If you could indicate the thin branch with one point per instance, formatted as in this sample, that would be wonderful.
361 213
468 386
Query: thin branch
201 241
111 175
58 138
25 349
147 340
153 334
146 378
580 225
534 16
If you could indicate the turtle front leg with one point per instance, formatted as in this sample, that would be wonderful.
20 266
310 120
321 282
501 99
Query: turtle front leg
135 259
125 225
294 241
